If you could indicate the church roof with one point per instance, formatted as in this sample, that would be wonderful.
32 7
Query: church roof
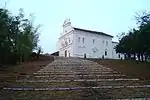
96 32
114 42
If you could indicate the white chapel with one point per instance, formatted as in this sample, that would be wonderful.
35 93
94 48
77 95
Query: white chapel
77 42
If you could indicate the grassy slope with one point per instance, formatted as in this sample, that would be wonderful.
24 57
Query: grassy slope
11 73
128 67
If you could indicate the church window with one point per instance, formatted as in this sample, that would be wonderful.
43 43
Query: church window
85 55
65 53
118 55
105 53
93 41
66 43
69 53
69 40
83 40
106 43
78 39
103 42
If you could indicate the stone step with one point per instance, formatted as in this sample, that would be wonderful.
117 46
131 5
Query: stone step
103 92
80 70
76 68
42 84
45 95
79 75
75 71
73 64
59 69
75 79
72 95
80 80
66 77
35 83
70 73
74 88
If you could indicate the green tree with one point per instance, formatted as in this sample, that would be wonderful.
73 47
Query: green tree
137 42
18 37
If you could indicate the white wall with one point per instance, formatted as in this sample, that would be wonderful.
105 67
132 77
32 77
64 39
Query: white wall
80 49
68 41
114 54
66 44
68 49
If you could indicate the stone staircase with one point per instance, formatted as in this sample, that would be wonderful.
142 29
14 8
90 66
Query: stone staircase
75 79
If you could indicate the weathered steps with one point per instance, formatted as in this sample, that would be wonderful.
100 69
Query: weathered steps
42 84
66 77
75 88
45 95
78 76
76 73
70 83
98 70
85 92
75 79
80 80
76 67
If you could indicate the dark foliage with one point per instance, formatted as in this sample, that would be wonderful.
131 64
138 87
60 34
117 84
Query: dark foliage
136 43
18 38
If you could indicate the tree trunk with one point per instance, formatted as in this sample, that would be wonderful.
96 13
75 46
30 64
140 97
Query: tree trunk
129 56
126 57
138 57
134 56
145 57
142 57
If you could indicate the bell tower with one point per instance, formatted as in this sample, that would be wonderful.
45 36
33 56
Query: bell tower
67 26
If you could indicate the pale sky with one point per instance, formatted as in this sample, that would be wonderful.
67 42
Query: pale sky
108 16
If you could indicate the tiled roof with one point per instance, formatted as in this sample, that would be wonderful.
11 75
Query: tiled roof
114 42
95 32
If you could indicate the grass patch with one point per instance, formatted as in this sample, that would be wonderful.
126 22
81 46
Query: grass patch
42 85
129 67
11 73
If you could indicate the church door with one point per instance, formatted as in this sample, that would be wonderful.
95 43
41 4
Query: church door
85 55
65 53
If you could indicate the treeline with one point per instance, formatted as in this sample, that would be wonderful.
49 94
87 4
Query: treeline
136 43
18 37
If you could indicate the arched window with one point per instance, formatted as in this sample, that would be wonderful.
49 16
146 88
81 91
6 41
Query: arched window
83 40
118 55
106 43
69 54
105 53
65 53
69 40
103 42
84 55
78 39
93 41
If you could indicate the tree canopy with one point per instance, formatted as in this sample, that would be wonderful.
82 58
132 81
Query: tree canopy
18 37
136 43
